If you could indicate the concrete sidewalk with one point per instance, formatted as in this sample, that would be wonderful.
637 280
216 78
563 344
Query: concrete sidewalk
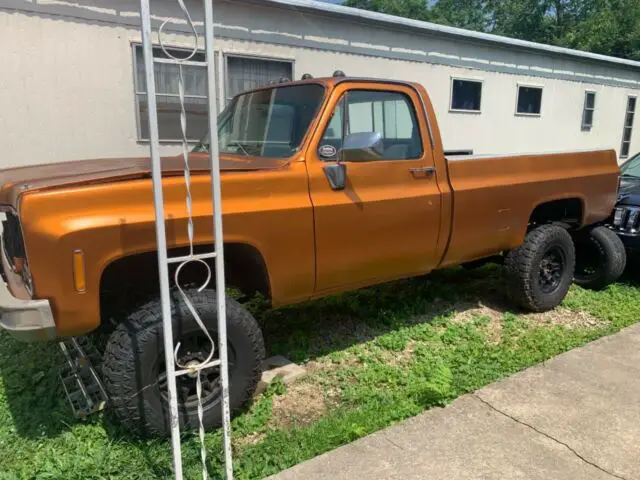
574 417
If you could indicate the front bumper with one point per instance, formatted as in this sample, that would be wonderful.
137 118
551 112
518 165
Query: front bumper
631 241
26 320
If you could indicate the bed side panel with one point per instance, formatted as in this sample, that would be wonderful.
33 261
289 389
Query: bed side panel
495 196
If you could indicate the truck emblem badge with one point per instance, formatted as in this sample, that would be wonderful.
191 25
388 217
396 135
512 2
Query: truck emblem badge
327 151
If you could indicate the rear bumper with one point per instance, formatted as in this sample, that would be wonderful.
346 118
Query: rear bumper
26 320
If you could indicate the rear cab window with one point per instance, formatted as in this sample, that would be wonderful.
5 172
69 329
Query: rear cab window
388 113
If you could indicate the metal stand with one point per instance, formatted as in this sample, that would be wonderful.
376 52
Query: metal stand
80 380
171 351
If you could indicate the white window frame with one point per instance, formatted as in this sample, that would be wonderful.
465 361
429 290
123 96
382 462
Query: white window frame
268 58
137 93
528 85
584 126
624 125
465 79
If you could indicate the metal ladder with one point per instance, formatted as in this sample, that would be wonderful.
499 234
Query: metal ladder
217 253
80 379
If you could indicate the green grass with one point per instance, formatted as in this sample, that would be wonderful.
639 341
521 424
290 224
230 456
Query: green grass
380 355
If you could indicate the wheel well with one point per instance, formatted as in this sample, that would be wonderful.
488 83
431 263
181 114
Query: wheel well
133 280
566 210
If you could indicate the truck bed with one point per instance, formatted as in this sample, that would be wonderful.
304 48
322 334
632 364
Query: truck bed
494 196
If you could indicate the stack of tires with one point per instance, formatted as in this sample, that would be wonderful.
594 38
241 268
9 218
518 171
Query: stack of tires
541 270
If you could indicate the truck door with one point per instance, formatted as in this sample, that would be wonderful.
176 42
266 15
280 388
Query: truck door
385 223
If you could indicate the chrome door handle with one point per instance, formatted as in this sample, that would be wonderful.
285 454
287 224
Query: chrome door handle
426 171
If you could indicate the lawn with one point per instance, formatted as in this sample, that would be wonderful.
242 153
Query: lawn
375 357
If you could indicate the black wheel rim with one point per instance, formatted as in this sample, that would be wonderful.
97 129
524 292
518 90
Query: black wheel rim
195 347
552 268
589 259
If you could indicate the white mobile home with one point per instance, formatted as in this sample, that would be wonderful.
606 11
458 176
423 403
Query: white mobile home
72 86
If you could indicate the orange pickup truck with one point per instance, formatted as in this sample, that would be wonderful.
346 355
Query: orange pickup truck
328 185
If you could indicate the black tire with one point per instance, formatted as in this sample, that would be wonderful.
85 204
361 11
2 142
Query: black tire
600 258
540 271
133 363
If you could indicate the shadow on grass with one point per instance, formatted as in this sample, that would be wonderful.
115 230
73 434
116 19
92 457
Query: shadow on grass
306 331
37 404
33 400
33 392
631 274
317 328
156 463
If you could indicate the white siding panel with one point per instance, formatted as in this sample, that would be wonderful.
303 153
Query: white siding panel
66 89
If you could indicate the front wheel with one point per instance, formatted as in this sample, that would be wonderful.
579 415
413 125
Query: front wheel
540 271
135 373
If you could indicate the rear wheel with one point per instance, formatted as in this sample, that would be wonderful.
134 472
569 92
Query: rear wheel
135 371
540 270
600 258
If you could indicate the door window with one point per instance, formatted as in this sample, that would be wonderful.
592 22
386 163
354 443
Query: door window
389 114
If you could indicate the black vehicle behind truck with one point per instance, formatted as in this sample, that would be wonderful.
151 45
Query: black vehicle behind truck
626 218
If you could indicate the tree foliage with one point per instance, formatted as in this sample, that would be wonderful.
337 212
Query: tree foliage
610 27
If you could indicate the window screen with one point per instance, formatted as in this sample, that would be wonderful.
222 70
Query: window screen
389 113
529 100
166 76
627 129
466 95
245 73
588 109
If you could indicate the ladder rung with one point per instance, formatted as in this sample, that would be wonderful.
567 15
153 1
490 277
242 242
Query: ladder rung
212 363
171 61
195 256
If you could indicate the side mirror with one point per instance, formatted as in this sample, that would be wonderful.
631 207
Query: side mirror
336 173
362 147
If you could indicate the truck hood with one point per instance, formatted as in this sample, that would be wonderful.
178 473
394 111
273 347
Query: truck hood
16 181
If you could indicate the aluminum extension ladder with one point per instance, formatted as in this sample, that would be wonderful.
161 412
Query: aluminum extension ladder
217 253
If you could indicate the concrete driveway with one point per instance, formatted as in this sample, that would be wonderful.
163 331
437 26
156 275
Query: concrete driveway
576 416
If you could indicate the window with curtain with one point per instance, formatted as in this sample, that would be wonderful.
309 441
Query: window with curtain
246 73
466 95
529 100
167 78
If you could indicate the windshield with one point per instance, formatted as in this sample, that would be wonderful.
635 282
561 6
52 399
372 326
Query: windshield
631 168
267 123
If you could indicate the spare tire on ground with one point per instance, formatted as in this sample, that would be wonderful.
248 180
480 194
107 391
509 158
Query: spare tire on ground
600 258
